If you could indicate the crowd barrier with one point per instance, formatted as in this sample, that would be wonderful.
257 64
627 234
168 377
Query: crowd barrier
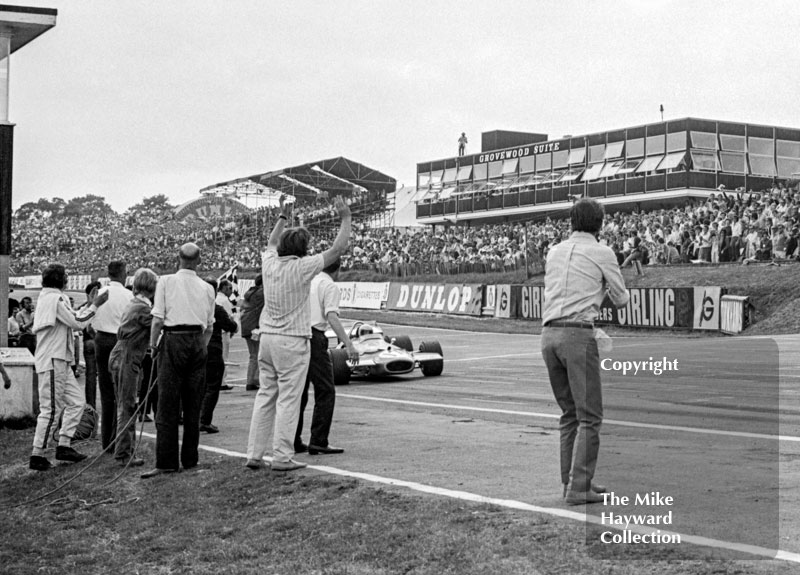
689 308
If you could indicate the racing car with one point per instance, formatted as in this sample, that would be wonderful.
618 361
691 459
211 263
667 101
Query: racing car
381 355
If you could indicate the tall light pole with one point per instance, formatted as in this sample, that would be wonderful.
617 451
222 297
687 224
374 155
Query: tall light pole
18 26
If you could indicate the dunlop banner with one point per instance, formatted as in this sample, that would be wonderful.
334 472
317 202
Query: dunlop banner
462 299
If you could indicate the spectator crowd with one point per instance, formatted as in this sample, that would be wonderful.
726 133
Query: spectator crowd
728 226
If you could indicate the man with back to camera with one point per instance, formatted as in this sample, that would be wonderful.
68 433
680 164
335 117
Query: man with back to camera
285 332
183 308
324 310
105 324
579 273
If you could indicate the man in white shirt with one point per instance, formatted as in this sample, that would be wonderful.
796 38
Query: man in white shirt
105 324
323 306
224 301
183 308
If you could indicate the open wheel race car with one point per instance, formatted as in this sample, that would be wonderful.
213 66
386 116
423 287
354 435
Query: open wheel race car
381 355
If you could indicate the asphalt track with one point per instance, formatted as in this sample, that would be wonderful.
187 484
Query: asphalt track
721 436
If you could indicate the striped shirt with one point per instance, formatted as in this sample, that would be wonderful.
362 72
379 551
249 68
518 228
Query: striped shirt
286 289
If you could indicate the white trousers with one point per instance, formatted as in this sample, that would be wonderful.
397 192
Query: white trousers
58 390
282 369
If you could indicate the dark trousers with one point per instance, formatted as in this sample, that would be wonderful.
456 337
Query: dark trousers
103 344
144 387
252 362
181 381
91 372
320 374
215 369
573 365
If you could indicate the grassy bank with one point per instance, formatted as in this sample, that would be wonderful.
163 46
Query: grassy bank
223 518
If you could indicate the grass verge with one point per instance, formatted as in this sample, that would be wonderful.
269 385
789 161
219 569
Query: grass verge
223 518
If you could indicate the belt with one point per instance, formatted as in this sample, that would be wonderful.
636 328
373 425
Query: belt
579 324
183 329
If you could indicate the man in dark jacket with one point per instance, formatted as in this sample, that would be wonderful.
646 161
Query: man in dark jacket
215 364
251 312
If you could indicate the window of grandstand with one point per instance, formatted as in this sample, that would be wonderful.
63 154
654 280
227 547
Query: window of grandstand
732 143
495 169
611 168
423 180
593 172
560 159
733 162
552 177
510 166
450 175
479 172
760 146
527 164
649 164
655 145
672 161
572 174
634 148
788 158
629 166
614 150
676 141
577 156
788 149
762 165
788 167
596 153
544 162
705 161
447 192
705 140
464 173
436 177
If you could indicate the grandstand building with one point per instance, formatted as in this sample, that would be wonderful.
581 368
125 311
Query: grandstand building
370 191
523 175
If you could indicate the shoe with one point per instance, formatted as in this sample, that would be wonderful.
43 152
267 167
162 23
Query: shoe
250 387
64 453
225 387
255 464
583 497
290 465
597 488
147 419
210 428
39 463
156 472
130 462
300 447
327 450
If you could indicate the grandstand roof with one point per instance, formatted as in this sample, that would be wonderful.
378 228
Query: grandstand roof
335 176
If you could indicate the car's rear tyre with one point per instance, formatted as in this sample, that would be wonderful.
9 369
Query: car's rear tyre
404 342
341 371
430 368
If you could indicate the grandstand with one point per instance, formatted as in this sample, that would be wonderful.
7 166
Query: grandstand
524 176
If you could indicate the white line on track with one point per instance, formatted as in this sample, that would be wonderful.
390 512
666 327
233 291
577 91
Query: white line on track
521 506
522 354
555 416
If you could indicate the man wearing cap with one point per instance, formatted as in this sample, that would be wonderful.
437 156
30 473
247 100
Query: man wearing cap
183 309
579 273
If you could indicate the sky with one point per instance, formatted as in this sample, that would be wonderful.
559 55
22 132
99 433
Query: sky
127 100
